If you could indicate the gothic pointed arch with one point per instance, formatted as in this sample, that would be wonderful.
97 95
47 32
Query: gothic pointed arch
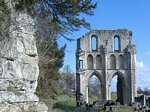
120 86
101 81
98 62
112 62
98 75
90 62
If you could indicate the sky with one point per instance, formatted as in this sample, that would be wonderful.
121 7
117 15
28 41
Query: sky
133 15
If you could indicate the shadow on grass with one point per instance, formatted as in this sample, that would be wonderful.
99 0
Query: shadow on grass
64 106
84 109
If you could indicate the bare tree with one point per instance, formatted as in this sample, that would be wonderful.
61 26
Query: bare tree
67 79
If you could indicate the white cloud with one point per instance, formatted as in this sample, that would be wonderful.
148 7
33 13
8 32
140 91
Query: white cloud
140 64
142 74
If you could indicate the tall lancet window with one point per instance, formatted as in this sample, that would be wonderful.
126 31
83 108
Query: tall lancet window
116 43
94 43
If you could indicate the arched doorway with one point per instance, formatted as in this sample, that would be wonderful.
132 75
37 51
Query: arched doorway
94 87
114 88
118 93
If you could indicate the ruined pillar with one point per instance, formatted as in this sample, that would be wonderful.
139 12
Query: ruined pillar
106 86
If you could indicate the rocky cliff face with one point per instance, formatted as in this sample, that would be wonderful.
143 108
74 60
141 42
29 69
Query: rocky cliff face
19 64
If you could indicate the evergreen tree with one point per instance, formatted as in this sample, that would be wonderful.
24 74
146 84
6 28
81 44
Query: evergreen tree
61 16
56 18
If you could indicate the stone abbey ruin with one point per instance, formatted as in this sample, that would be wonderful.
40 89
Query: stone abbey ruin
106 53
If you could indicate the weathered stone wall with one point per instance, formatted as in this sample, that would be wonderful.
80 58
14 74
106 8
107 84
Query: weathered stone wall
19 64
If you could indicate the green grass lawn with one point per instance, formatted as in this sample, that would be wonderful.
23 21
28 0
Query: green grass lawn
62 103
113 96
93 98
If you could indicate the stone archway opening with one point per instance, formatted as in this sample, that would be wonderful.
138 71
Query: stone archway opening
94 89
114 88
118 88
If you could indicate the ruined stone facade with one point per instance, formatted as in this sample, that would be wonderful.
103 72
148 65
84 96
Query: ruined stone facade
106 53
19 64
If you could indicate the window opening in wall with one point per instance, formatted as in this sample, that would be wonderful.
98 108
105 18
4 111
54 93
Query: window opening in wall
117 43
94 43
81 64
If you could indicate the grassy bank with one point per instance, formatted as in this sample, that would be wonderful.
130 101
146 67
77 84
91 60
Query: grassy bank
67 103
63 103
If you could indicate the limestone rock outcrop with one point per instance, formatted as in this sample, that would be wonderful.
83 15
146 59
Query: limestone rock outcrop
19 64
